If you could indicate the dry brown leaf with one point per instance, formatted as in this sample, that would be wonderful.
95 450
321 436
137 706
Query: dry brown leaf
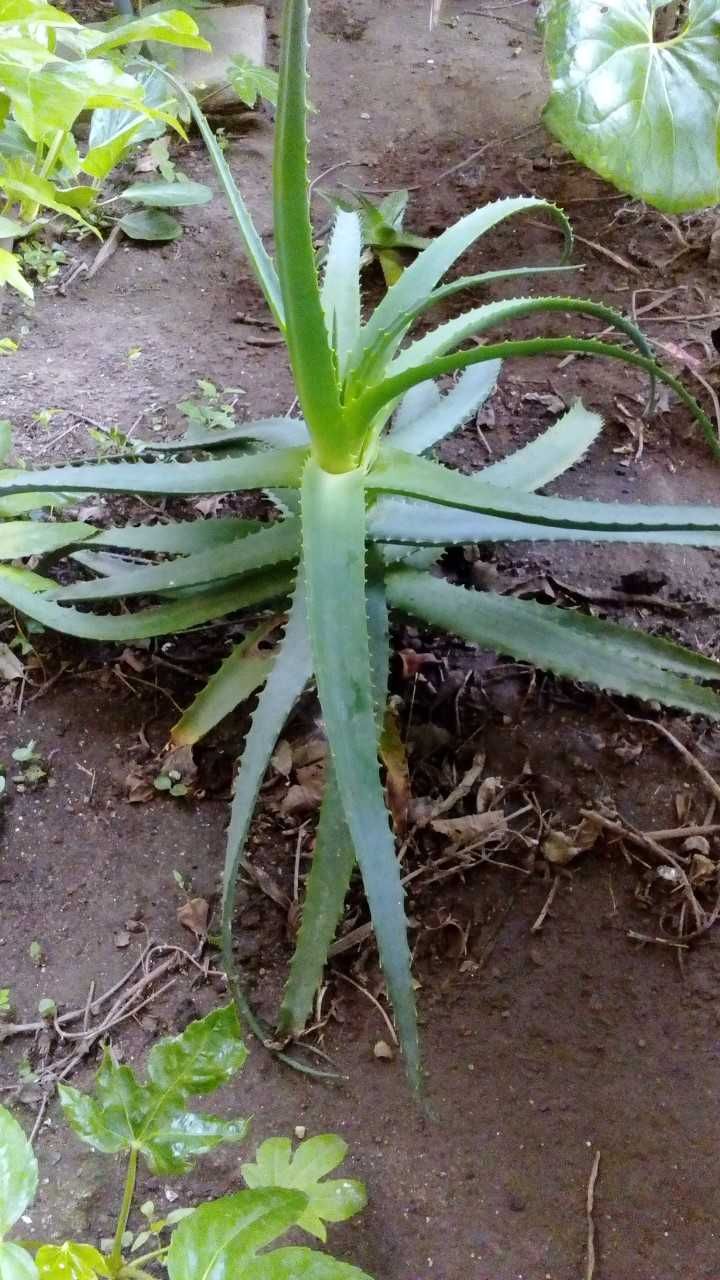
282 760
471 828
139 789
701 868
311 751
302 797
383 1051
11 668
193 915
397 782
413 663
121 939
486 793
180 761
559 848
465 785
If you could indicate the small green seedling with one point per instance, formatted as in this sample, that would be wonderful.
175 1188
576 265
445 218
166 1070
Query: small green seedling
149 1121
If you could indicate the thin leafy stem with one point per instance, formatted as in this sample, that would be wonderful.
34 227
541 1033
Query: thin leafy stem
374 400
140 1261
115 1259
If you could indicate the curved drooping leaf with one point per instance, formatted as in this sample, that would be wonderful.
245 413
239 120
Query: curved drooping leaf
243 671
420 278
23 592
220 1239
170 26
258 256
301 1264
18 1171
333 508
114 131
610 657
11 273
305 1169
276 432
642 113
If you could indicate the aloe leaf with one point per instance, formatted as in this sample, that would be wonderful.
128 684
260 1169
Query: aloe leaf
277 432
340 293
642 113
21 504
609 657
295 1263
448 336
177 537
272 545
420 278
453 409
424 524
401 473
334 853
281 467
325 892
18 1172
334 533
305 1169
417 402
220 1239
373 401
377 356
164 619
542 460
288 676
16 1263
241 673
5 439
258 256
22 538
309 348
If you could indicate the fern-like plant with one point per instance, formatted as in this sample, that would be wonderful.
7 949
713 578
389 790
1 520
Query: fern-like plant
362 515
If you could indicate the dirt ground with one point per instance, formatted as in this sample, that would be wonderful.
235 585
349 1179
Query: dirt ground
543 1045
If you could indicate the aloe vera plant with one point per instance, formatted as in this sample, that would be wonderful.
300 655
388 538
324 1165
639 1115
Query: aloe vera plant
362 515
149 1122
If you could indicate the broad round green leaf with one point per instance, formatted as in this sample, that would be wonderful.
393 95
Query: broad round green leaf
151 225
219 1239
277 1166
70 1261
642 114
301 1264
207 1054
18 1171
167 195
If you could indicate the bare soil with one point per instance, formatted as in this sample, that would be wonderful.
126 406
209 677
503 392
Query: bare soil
542 1047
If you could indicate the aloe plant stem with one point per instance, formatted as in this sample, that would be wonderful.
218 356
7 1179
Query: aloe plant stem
115 1259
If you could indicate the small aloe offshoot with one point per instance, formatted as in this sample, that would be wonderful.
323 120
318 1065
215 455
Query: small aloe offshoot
149 1122
362 515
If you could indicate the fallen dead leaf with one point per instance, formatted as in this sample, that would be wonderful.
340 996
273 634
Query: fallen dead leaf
193 915
139 788
282 760
11 668
463 788
397 781
471 828
121 939
383 1051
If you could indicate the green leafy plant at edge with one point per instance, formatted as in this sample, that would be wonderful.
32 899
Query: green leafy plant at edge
362 515
224 1239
